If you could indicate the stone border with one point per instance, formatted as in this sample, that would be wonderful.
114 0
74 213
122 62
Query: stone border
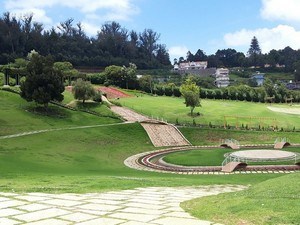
143 161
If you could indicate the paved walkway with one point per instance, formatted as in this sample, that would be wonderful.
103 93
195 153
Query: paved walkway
141 206
59 129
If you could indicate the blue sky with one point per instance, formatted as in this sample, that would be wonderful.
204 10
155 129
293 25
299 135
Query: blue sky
183 25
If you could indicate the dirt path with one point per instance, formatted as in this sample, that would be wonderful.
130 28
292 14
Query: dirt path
295 111
128 114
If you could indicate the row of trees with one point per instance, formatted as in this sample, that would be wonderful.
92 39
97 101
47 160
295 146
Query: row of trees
113 44
231 58
269 92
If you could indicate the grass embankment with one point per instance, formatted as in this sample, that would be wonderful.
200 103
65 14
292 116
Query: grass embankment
173 110
275 201
207 136
89 160
213 157
17 116
84 160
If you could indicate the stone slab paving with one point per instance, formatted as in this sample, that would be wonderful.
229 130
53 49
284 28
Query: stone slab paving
140 206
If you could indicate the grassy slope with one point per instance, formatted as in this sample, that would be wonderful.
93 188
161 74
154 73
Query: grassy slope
276 201
212 136
83 160
213 111
16 118
92 159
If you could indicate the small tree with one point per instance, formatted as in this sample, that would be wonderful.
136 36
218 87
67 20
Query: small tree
129 75
83 90
190 91
42 83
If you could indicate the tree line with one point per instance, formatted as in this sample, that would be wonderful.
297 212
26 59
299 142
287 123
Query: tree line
268 93
286 59
113 45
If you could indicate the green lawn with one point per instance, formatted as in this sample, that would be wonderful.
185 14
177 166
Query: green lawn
16 116
275 201
172 109
91 158
213 157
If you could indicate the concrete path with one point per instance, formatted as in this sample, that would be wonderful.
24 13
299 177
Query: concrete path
59 129
141 206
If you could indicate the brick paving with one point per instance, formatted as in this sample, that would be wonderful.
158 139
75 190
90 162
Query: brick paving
140 206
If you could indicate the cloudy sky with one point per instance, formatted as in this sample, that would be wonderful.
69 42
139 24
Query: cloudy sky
183 25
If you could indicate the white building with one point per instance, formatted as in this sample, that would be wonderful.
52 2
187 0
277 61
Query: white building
222 77
200 65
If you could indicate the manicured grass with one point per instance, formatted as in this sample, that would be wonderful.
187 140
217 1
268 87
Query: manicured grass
68 97
16 116
213 157
213 136
275 201
172 109
85 160
89 160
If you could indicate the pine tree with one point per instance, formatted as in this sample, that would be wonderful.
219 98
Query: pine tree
254 51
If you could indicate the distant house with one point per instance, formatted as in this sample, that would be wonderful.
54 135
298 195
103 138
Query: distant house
196 68
259 78
222 77
200 65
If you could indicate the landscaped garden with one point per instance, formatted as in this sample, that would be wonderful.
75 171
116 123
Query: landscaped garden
91 159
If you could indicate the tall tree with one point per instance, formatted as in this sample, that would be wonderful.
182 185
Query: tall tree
42 83
200 55
254 51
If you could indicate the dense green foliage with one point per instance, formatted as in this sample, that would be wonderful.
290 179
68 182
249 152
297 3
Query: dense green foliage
113 44
276 60
83 90
275 201
43 84
190 92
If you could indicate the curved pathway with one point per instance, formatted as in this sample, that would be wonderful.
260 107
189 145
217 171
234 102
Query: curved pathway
140 206
152 161
59 129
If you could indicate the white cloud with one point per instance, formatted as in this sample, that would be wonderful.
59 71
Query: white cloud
286 10
178 51
275 38
38 15
90 29
108 10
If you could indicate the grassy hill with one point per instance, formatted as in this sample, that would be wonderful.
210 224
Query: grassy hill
85 160
274 201
17 115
